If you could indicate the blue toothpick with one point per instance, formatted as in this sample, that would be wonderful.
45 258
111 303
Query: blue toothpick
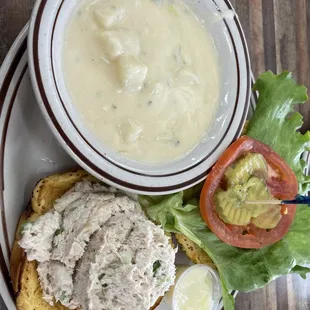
299 200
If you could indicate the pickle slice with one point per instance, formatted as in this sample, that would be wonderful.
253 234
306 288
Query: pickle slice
232 207
243 169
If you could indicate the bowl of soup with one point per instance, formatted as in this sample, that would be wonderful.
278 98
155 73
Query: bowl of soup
143 94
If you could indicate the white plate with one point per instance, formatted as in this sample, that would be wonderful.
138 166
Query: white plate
28 152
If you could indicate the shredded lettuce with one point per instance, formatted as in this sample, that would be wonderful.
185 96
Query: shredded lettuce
275 124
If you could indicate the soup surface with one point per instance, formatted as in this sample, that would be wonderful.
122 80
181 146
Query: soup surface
143 74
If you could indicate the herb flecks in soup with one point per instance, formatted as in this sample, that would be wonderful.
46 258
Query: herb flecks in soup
143 74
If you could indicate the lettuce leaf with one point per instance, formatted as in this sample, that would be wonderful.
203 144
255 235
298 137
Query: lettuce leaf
275 124
239 269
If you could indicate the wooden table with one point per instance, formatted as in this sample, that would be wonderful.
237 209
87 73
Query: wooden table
278 34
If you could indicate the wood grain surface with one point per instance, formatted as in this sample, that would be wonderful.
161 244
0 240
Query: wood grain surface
278 35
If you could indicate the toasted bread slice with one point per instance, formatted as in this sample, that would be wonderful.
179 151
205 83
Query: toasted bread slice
53 187
17 256
24 274
196 254
30 295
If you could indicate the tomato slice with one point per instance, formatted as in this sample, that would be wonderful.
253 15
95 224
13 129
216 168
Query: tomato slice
281 182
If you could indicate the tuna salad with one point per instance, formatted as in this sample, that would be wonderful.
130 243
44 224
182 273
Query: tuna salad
97 250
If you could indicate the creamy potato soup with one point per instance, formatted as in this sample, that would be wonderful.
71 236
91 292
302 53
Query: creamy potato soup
143 74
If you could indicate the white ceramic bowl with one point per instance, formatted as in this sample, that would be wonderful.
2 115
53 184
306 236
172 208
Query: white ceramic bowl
46 42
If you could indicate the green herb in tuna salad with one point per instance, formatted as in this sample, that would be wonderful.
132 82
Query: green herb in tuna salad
274 123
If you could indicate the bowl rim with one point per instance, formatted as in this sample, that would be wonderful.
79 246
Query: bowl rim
121 176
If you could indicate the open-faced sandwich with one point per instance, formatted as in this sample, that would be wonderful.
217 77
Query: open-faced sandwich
82 245
85 246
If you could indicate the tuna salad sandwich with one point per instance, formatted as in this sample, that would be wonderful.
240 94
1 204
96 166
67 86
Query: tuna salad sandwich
95 249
